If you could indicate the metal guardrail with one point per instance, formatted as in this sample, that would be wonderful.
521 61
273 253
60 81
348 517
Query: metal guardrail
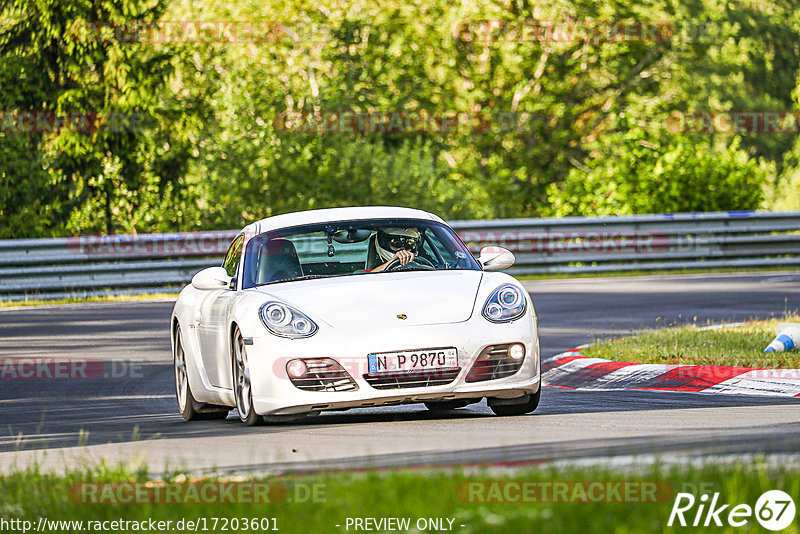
145 263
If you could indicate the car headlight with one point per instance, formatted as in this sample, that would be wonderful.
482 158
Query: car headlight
285 321
505 304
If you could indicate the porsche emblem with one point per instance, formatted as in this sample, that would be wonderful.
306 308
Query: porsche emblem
402 316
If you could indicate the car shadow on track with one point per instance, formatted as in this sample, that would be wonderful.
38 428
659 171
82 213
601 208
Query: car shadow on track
42 414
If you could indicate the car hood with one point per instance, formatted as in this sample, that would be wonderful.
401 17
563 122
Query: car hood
376 300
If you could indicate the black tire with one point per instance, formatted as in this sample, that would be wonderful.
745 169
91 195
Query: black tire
522 408
242 390
190 408
446 406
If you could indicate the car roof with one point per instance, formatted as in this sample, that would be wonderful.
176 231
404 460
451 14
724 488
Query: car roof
334 215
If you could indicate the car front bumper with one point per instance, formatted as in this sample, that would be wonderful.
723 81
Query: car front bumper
274 393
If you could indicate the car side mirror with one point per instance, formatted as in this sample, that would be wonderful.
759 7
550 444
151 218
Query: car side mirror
211 278
496 258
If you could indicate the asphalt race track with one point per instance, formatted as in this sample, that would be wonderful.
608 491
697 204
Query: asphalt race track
128 412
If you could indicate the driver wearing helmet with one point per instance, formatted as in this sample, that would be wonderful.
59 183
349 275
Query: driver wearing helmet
396 244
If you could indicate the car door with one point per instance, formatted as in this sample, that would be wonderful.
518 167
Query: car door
213 325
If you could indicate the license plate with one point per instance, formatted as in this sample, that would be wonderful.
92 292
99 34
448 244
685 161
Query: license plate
412 360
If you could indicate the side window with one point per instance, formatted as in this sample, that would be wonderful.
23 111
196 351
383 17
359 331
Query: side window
234 255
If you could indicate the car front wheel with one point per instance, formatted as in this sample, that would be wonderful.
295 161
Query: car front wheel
521 408
241 382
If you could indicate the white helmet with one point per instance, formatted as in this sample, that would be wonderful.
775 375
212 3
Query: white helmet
390 240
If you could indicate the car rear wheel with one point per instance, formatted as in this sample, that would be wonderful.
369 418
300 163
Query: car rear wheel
190 409
241 383
521 408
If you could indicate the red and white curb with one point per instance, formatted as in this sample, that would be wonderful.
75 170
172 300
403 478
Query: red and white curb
572 370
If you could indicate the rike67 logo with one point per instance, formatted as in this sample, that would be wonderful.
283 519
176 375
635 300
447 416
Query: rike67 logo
774 510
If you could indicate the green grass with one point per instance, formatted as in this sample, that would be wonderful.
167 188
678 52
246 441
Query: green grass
741 346
420 494
83 300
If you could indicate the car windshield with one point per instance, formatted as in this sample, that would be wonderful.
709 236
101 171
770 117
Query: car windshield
351 248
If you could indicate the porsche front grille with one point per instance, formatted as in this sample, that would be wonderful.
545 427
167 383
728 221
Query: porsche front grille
416 379
324 374
493 363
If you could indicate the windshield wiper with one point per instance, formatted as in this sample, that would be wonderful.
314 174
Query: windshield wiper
304 277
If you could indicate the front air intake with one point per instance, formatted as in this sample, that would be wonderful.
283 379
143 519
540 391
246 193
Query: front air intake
415 379
497 361
319 374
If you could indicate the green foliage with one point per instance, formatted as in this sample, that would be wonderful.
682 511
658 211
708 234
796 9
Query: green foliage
588 137
29 196
681 175
107 176
785 193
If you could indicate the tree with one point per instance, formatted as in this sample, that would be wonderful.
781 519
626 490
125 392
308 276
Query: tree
71 59
678 174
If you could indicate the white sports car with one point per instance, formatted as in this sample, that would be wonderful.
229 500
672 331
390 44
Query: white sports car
353 307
